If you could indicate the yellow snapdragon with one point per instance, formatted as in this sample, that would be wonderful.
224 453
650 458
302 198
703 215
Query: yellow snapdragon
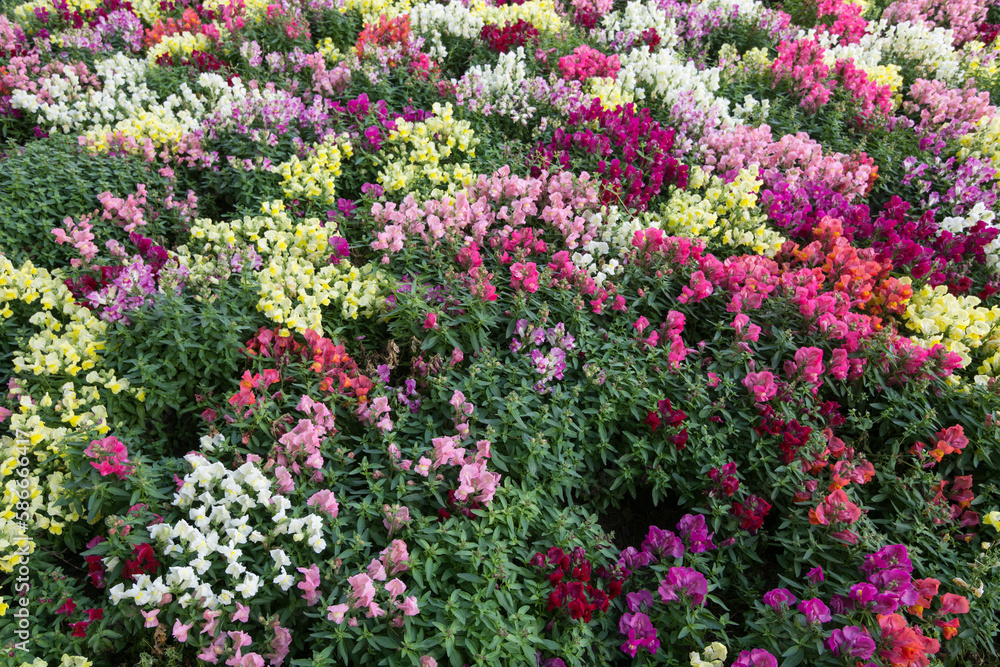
329 51
26 12
720 213
426 153
292 292
254 11
315 177
181 45
69 337
371 10
37 662
983 143
957 322
610 91
295 278
888 75
750 65
69 343
715 656
541 13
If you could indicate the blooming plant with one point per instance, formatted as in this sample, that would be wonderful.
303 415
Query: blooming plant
502 332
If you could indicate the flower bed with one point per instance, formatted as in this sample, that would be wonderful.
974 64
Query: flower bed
358 332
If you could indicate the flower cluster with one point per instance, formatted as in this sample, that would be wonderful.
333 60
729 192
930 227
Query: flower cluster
510 36
632 151
111 457
585 63
315 176
392 560
426 152
724 214
548 365
572 590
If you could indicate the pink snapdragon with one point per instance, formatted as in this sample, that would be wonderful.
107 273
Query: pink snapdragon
80 236
808 365
111 455
586 62
180 630
757 657
700 288
800 64
285 483
310 584
815 611
126 212
524 276
395 557
362 590
752 333
326 502
761 386
474 478
242 614
336 613
396 517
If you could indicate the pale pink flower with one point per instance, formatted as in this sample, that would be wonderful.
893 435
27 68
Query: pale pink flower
242 613
240 639
395 557
211 622
423 467
337 612
181 631
376 570
395 518
409 606
363 592
395 587
326 501
310 584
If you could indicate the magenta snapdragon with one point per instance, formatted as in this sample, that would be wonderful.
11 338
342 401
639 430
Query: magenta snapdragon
111 455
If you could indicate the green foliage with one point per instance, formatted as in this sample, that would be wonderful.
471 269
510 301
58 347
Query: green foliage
51 179
180 351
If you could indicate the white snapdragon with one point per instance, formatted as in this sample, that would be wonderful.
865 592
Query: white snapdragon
280 505
234 569
118 593
220 514
433 21
898 43
210 442
283 581
181 577
230 552
600 256
636 18
752 110
317 543
747 9
199 515
249 586
204 591
499 89
666 77
201 565
280 558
